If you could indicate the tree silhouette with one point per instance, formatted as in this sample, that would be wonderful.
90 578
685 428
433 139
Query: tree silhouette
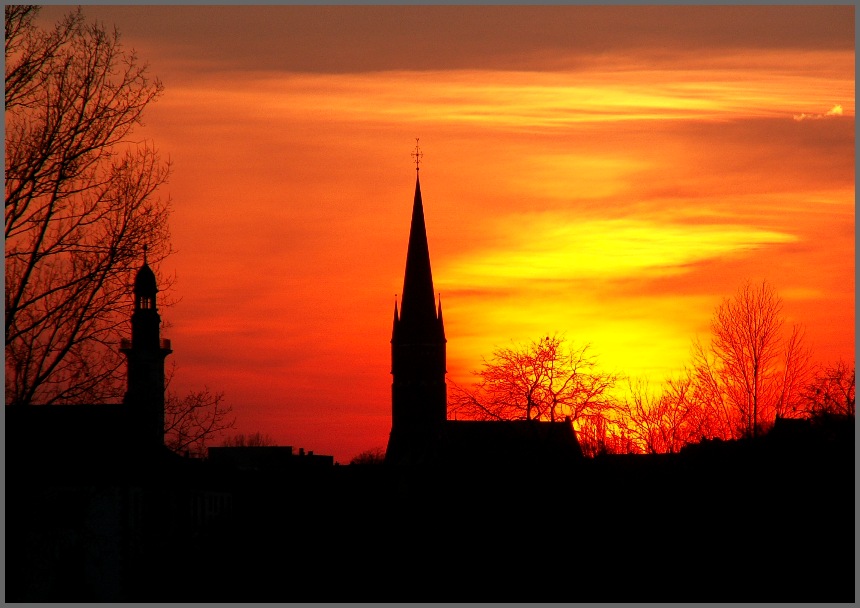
543 380
660 423
750 373
253 440
606 434
369 456
80 206
193 420
831 391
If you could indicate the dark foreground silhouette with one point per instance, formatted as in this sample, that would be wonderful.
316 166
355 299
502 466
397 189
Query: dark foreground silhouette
764 520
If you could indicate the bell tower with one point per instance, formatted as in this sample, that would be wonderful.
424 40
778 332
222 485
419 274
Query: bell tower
418 366
145 353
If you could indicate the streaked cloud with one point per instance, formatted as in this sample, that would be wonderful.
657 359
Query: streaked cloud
191 40
518 100
548 246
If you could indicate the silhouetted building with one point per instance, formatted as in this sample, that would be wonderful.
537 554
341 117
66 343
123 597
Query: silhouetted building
146 352
421 434
95 487
418 390
267 458
112 435
511 443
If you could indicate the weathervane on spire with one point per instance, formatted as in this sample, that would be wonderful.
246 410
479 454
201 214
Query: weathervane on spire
417 155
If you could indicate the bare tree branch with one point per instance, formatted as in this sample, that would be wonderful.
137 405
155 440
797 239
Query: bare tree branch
751 373
80 206
543 380
241 440
192 421
831 391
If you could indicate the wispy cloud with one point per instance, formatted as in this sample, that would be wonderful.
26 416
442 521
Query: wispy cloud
834 111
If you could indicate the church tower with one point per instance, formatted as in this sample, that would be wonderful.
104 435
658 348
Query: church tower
418 390
146 352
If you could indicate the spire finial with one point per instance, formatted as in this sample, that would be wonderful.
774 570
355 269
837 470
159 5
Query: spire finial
144 253
417 155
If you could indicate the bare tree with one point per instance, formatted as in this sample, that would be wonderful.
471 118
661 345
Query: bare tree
795 374
750 372
543 380
658 423
369 456
831 391
80 206
600 435
663 422
701 418
253 440
192 421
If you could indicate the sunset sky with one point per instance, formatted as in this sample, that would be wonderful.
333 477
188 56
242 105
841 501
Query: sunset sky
610 173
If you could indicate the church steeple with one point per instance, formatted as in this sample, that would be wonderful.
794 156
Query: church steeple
418 303
418 390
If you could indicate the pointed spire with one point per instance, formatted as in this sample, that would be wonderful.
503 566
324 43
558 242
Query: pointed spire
417 302
418 321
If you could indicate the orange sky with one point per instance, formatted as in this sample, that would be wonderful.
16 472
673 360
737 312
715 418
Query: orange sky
610 173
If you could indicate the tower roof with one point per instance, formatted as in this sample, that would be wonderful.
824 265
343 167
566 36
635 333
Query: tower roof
417 304
144 282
